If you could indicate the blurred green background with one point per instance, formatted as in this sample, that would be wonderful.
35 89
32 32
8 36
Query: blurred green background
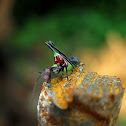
76 27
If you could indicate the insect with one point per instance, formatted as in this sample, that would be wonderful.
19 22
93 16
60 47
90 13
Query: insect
61 63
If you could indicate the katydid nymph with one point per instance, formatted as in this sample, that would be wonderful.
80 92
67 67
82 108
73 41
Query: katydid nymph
61 63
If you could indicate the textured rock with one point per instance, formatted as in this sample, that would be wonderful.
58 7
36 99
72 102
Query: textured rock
86 99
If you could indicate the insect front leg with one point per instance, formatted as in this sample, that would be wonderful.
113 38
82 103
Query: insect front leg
65 64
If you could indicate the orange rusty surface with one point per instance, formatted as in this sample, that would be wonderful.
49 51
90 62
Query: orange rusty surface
64 88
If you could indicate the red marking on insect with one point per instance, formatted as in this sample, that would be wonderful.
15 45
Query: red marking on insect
59 60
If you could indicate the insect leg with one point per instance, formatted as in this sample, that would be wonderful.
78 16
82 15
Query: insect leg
48 44
52 45
66 72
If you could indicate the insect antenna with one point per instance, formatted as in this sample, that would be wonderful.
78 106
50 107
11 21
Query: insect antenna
36 82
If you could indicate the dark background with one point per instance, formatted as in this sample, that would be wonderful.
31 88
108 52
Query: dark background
95 31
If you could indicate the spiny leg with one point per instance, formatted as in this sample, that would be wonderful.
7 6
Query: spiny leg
48 44
53 46
66 72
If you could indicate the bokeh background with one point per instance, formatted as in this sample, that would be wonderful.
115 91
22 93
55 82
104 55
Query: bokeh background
94 31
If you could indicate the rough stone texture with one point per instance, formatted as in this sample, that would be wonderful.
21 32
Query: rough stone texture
87 99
